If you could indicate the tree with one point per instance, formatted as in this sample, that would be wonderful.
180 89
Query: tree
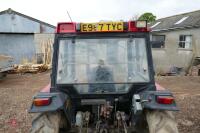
149 17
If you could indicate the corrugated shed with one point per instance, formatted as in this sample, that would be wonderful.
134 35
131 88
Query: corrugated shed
19 46
24 38
15 22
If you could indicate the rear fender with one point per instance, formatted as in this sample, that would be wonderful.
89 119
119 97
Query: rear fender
148 100
59 101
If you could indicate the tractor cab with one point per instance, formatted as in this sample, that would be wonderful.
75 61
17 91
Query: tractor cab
102 79
102 58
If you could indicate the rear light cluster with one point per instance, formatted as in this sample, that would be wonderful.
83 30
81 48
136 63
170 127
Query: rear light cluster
42 101
68 27
165 99
137 26
133 26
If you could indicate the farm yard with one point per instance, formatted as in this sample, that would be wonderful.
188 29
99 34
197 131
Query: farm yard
125 42
16 93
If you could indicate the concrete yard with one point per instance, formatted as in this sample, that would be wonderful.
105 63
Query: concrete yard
16 93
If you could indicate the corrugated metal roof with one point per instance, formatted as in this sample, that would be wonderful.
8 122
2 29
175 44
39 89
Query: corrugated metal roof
181 21
10 11
15 22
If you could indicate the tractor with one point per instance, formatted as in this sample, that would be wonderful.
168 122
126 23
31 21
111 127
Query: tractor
102 81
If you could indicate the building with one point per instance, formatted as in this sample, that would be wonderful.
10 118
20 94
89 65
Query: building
24 38
176 42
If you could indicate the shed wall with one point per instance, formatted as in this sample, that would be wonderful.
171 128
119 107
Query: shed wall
172 56
20 46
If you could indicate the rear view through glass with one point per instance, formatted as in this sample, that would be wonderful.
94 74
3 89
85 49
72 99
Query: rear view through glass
102 61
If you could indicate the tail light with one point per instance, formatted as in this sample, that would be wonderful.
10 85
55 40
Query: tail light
42 101
131 26
68 27
165 99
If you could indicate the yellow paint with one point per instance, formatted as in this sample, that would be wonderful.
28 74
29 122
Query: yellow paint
102 27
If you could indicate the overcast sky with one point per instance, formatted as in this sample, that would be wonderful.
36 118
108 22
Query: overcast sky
53 11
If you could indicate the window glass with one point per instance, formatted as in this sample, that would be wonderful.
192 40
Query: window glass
158 41
106 64
185 41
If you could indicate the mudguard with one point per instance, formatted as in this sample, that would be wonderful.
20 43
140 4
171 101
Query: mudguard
148 100
58 102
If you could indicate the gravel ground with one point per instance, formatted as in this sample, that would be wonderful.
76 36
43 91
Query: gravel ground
187 92
16 93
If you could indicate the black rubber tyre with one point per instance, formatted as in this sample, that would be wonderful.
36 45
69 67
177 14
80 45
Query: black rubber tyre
49 122
161 122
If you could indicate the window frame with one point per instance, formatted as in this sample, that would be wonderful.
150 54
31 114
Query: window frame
103 37
183 42
161 46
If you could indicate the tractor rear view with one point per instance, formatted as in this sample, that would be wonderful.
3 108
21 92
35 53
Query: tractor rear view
102 81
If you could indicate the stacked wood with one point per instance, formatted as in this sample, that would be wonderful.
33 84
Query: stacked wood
31 68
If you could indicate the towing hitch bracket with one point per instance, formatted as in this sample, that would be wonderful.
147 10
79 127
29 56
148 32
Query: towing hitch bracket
137 106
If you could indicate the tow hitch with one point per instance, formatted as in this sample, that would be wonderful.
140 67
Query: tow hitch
137 106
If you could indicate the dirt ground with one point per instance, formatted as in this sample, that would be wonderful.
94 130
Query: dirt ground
16 93
187 92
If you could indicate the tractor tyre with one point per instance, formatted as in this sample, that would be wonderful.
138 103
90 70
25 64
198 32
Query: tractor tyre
161 122
48 122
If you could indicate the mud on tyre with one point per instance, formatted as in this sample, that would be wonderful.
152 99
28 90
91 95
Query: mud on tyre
49 122
161 122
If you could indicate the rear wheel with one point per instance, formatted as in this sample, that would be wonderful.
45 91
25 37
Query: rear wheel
49 122
161 122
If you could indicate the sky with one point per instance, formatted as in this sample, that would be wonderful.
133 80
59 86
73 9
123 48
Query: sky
54 11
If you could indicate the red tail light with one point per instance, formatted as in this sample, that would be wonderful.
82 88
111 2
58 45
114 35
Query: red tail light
41 101
165 99
68 27
131 26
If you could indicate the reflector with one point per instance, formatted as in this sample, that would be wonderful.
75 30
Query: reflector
41 101
165 99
